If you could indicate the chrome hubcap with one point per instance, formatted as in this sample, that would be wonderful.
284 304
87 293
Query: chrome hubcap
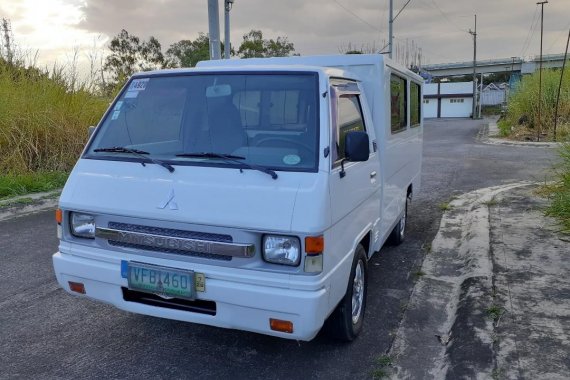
357 292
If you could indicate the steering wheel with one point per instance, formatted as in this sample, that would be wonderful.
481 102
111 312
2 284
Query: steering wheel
294 143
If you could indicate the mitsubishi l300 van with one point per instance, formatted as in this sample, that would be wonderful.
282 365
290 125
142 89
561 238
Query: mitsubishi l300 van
245 194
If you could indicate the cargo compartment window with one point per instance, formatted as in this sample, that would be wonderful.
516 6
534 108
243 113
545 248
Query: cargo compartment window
415 104
349 118
398 104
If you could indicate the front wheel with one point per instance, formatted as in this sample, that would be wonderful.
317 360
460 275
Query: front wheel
345 323
399 232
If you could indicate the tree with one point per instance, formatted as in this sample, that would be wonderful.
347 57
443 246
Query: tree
254 46
129 55
187 53
7 49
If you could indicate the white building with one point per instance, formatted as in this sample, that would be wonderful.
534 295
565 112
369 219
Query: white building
454 99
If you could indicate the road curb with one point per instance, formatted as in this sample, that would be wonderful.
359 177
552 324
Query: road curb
455 284
488 131
28 204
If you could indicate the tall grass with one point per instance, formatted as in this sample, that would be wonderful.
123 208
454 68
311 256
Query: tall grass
522 113
560 192
43 119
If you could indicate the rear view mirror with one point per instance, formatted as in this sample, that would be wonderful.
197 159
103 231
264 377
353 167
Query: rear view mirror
356 146
219 90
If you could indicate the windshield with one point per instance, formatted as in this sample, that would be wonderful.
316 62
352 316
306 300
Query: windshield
269 120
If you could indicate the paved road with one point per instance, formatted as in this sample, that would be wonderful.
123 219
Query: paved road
46 333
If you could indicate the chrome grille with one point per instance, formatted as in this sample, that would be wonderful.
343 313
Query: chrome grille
169 232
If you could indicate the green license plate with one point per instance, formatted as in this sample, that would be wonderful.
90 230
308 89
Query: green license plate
163 281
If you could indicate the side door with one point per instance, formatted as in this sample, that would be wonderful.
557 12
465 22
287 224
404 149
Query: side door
355 197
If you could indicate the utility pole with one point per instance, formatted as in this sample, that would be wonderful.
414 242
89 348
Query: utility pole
560 85
214 29
474 34
228 8
541 3
391 29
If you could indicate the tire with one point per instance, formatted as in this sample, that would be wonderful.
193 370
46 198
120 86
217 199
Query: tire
398 234
345 323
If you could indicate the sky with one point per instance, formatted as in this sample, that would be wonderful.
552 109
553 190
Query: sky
55 30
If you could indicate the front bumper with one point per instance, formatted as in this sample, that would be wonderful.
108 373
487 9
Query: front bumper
243 305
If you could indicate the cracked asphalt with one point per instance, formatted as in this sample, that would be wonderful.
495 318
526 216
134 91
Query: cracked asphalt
46 333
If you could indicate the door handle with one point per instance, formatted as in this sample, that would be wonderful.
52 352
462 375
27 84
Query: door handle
373 175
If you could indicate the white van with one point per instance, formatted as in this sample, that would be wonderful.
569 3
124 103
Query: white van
245 194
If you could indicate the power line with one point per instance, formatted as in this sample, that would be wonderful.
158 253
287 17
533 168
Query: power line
357 16
530 34
446 16
400 11
563 32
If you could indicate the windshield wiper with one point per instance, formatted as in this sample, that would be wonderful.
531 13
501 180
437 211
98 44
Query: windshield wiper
233 158
121 149
136 152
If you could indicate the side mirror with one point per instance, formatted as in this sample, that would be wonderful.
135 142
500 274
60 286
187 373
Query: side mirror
90 131
356 148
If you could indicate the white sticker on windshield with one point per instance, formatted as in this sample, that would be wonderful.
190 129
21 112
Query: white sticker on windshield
118 105
138 84
291 159
131 94
115 115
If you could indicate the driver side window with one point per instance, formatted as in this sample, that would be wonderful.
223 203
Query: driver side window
349 118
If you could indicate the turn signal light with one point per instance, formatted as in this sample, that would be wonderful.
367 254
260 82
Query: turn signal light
314 245
76 287
58 216
281 326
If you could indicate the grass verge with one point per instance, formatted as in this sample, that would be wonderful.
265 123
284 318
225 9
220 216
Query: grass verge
12 185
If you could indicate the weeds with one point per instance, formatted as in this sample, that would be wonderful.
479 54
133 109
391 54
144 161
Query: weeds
383 362
419 273
504 128
497 374
445 206
494 312
18 202
491 202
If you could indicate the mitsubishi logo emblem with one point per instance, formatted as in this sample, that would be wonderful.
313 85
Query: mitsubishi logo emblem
170 202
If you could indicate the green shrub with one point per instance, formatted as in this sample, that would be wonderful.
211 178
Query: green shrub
43 123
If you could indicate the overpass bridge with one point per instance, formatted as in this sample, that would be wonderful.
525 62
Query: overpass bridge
515 64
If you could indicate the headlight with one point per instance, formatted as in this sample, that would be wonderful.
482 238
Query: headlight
284 250
83 225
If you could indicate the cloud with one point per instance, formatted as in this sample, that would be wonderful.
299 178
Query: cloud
439 27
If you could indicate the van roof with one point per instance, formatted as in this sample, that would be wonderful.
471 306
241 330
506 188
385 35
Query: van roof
231 66
330 65
323 61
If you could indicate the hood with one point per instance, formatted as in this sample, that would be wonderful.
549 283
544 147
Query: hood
213 196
